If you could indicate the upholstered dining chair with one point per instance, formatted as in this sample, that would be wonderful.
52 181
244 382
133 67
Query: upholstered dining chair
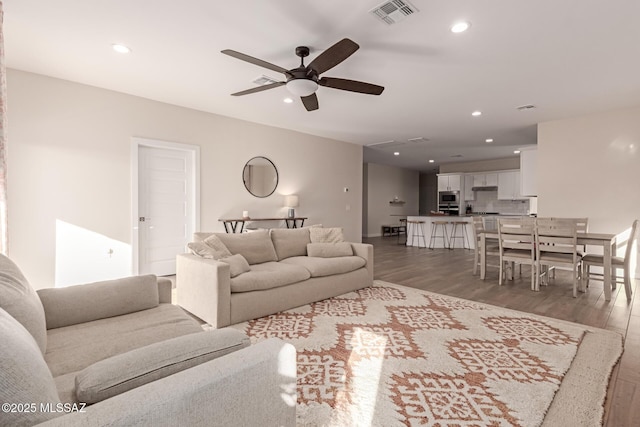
556 246
492 246
624 263
516 239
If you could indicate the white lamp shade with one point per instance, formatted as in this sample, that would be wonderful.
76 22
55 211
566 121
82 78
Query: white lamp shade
302 87
291 201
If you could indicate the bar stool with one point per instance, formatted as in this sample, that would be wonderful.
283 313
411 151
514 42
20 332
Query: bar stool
402 228
435 226
417 231
459 226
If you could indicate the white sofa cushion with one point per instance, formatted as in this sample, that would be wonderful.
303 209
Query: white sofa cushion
326 235
269 275
20 300
290 242
134 368
73 348
25 378
319 267
256 247
329 250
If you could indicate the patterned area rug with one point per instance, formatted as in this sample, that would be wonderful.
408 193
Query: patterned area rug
390 355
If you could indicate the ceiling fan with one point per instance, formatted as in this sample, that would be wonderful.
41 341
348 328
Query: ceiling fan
304 80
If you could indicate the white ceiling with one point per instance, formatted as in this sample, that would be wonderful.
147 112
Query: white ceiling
566 57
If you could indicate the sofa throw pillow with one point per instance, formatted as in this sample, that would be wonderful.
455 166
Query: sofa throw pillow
255 247
329 250
326 235
125 371
205 251
216 244
237 263
21 301
25 376
290 242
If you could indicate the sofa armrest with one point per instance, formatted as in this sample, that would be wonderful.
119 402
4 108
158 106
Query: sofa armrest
203 288
164 290
84 303
252 386
365 250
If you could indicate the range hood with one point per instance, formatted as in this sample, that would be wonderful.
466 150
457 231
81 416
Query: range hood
487 188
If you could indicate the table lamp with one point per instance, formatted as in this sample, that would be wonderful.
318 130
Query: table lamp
291 202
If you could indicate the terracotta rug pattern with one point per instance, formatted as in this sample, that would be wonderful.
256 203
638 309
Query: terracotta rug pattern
391 355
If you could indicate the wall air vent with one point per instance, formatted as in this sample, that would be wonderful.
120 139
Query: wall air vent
393 11
264 80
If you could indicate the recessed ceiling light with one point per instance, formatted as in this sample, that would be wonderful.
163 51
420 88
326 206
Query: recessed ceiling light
476 113
396 153
431 160
120 48
516 152
288 100
460 27
488 140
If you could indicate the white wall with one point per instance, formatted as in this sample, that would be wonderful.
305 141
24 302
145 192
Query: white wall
383 184
590 167
69 163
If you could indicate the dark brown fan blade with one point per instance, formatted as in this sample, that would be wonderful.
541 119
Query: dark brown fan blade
333 56
310 102
259 89
255 61
351 85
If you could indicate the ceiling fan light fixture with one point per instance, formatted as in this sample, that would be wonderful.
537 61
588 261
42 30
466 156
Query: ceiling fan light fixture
302 87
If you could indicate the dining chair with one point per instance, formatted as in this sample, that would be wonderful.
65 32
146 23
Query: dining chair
516 242
556 246
491 245
623 263
582 226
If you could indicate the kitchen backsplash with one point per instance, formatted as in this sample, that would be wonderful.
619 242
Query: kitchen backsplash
487 201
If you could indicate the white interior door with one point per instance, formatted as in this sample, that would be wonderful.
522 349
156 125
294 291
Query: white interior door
165 208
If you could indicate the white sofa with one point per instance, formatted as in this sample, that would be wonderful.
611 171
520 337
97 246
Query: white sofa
282 275
133 358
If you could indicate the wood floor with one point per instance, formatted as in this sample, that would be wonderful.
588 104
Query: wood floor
450 273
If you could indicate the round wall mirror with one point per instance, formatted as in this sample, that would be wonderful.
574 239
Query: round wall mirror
260 176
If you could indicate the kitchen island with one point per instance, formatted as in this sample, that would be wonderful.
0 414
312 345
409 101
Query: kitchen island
490 223
412 239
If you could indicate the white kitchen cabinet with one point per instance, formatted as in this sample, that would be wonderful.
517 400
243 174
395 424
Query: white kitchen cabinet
485 179
449 182
528 171
469 194
509 186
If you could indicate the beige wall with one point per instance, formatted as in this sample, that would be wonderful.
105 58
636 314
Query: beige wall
482 165
590 167
69 162
383 184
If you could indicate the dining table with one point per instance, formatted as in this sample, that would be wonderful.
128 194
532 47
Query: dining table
605 240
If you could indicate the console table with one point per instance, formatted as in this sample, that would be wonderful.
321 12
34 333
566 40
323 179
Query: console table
231 224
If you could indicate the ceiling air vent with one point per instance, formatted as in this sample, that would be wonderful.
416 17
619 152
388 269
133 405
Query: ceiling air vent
525 107
393 11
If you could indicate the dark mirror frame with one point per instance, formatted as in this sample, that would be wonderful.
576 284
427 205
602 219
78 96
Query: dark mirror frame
275 169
